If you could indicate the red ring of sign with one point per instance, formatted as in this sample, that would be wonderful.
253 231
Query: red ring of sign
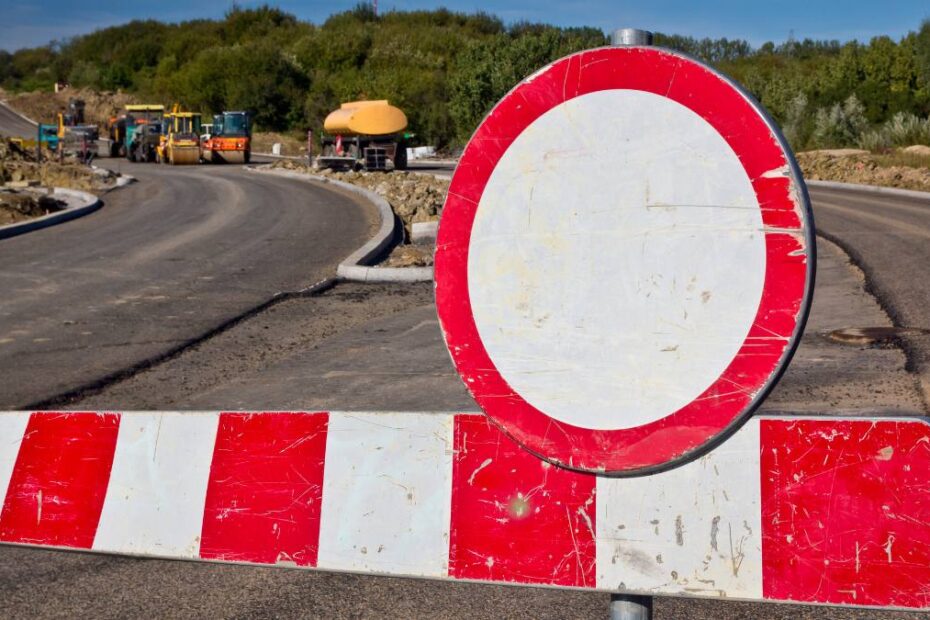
781 312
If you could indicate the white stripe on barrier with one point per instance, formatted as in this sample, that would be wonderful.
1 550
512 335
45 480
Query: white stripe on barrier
695 529
403 460
155 497
12 429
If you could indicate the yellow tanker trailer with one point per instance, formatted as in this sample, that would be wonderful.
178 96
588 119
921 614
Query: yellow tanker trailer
364 135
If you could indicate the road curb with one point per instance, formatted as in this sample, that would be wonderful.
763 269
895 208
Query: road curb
79 204
424 232
891 191
356 267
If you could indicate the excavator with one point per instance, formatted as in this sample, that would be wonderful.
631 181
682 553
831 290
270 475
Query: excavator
229 139
180 138
364 135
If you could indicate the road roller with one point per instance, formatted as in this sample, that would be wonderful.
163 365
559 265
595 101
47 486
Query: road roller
229 139
180 139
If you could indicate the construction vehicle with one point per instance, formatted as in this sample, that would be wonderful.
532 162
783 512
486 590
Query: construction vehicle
229 139
180 138
365 135
73 135
116 134
48 136
142 131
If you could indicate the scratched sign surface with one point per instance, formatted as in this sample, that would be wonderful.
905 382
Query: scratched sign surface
624 262
812 510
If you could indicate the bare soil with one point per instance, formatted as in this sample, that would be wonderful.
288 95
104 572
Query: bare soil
43 107
17 206
907 168
291 144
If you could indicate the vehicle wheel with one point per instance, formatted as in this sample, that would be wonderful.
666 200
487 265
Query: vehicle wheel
400 157
248 156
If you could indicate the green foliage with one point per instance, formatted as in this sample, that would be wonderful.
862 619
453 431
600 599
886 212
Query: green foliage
446 70
840 124
487 69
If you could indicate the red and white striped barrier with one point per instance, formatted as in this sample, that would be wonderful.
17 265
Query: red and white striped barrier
816 510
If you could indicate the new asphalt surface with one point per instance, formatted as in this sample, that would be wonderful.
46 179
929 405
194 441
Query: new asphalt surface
164 261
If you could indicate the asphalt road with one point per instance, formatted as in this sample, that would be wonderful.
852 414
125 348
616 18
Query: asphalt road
14 125
888 236
165 261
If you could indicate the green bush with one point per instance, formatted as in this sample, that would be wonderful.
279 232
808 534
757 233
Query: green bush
903 129
839 125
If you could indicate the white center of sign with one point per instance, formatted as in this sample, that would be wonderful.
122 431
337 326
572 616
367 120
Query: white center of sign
617 260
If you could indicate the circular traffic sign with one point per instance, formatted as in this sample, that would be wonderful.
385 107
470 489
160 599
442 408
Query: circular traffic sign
625 260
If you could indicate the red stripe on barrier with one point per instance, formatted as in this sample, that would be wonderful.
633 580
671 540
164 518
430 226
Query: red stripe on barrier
265 490
515 517
845 512
60 479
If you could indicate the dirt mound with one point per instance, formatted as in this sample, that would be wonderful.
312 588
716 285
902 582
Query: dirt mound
20 166
262 142
917 149
862 168
43 107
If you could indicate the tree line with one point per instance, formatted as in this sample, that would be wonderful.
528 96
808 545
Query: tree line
446 70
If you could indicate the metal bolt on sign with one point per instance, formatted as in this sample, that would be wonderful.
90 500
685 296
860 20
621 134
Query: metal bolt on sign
631 36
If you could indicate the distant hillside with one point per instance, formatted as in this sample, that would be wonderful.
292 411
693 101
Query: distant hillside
447 69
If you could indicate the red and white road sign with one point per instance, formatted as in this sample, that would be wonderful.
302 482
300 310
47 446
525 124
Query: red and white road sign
625 260
811 510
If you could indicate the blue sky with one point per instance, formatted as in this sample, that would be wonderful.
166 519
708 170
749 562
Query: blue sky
27 24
